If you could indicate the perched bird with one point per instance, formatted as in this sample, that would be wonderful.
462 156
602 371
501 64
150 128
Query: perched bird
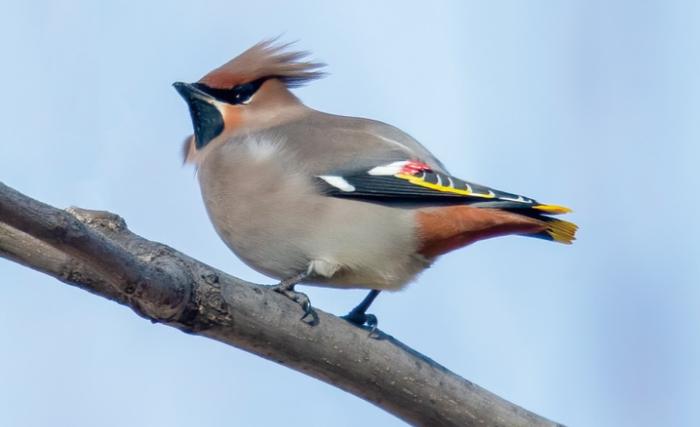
345 202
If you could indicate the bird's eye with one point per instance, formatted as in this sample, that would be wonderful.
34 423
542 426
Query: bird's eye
242 93
239 94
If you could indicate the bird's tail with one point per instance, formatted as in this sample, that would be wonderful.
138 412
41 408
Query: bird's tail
557 230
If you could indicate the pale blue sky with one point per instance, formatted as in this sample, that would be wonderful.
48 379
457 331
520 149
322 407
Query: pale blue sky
592 104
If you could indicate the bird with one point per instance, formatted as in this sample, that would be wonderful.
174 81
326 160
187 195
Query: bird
308 197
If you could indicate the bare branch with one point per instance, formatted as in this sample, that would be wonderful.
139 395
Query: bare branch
96 252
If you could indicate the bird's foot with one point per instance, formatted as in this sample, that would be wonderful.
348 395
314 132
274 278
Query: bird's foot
286 288
362 319
358 316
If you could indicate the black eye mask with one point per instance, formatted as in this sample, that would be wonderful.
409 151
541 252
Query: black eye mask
239 94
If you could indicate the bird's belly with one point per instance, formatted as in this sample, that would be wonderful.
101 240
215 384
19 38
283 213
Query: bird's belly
342 243
269 212
261 235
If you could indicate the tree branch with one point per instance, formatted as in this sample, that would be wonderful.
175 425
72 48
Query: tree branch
96 252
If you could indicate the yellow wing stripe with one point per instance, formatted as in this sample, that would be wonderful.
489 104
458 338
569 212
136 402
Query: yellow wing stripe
416 180
552 209
447 189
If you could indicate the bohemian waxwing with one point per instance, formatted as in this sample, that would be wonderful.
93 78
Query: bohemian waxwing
345 202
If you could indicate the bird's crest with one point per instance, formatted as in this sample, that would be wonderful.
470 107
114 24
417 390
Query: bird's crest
265 59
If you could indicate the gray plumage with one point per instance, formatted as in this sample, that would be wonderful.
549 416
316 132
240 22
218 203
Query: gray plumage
260 195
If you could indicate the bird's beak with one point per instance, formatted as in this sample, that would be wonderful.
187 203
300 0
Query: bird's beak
207 120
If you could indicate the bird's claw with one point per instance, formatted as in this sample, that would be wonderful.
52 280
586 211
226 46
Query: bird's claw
299 297
308 310
362 320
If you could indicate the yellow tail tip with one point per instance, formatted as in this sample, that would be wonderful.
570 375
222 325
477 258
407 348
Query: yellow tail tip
552 209
562 231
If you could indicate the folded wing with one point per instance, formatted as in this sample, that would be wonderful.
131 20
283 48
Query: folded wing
415 183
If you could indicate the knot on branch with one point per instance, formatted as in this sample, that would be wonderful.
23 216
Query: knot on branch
98 219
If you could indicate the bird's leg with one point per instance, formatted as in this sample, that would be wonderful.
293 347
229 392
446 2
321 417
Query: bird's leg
286 288
358 315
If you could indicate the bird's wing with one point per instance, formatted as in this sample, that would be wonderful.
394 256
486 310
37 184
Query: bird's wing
327 143
410 181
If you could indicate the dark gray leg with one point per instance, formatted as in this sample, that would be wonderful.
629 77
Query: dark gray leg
358 316
286 288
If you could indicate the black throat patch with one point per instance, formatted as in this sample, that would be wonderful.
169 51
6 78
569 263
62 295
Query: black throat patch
206 120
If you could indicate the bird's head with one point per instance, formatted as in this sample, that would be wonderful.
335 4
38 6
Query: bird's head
250 92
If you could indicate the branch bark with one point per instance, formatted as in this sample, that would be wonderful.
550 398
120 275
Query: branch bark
95 251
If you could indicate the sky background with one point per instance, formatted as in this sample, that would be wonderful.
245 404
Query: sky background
591 104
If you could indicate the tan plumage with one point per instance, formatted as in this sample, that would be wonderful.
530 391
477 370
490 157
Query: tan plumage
349 202
265 59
